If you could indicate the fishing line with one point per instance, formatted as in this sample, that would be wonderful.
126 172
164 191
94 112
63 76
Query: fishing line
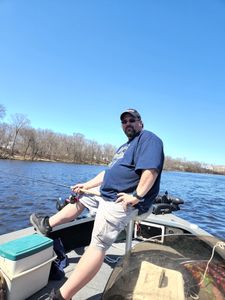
34 179
14 190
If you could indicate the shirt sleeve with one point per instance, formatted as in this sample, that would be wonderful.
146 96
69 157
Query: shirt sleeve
149 153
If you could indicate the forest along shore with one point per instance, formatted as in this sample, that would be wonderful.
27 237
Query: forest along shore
22 142
170 164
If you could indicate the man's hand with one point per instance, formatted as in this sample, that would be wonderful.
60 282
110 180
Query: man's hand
77 188
81 188
126 200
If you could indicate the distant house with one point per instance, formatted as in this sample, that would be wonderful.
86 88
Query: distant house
219 168
207 167
7 146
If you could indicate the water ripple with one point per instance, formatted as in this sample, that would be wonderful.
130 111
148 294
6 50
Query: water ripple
22 194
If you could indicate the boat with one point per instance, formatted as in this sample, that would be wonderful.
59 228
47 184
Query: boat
159 256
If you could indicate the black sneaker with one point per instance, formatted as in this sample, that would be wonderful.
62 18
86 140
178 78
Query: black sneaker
55 295
41 224
52 295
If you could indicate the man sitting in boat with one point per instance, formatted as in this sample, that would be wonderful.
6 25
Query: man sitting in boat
131 182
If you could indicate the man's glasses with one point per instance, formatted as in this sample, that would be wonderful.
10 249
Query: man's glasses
129 120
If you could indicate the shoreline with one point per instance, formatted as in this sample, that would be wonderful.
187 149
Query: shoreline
178 169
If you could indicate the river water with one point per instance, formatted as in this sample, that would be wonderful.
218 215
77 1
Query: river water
27 187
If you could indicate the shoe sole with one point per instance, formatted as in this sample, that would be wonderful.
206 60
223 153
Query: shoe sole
35 226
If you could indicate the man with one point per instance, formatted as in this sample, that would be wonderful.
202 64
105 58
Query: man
131 182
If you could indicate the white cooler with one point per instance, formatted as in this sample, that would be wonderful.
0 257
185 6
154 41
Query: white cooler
25 264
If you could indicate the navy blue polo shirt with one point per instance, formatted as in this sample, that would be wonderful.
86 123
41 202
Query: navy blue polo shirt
143 152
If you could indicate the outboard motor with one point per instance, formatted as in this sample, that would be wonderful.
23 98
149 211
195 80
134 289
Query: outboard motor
165 204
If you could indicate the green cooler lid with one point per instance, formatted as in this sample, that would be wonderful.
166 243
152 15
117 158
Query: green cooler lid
25 246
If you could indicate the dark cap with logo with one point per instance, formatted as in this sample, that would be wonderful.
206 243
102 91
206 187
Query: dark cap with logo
133 112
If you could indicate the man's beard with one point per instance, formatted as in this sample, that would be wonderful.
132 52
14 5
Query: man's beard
130 132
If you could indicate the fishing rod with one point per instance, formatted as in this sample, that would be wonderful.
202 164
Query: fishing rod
35 179
84 191
73 198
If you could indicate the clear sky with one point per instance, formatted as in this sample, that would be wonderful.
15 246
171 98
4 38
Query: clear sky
74 65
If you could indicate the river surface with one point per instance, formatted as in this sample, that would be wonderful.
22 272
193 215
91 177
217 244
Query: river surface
27 187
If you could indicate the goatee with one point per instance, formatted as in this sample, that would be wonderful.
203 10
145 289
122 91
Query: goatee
130 132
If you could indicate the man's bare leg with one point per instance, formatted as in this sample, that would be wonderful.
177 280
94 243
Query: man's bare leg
67 214
88 266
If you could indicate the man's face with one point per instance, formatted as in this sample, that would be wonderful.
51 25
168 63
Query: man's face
131 126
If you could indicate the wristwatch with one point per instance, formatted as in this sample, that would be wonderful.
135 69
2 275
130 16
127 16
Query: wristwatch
136 196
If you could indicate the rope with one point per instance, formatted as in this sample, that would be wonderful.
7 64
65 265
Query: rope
218 244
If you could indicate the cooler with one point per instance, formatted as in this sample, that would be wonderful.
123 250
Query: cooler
25 264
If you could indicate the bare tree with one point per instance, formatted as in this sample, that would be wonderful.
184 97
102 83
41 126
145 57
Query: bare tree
2 111
78 143
5 140
108 151
19 121
35 145
27 137
64 145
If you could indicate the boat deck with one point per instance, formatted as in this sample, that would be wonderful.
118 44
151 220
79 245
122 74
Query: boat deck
94 289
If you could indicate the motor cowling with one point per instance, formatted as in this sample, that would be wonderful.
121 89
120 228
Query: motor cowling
165 204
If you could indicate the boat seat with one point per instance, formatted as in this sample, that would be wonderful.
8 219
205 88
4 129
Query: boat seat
130 227
162 204
155 282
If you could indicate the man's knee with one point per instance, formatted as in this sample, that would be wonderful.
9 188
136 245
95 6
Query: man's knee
100 243
79 206
105 237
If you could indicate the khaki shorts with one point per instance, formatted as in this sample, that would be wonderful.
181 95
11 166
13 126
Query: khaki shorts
110 219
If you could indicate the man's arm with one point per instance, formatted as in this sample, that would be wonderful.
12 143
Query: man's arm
148 178
146 182
94 182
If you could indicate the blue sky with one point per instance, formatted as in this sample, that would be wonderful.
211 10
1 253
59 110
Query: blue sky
73 66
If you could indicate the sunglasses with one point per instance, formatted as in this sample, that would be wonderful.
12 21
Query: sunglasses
129 120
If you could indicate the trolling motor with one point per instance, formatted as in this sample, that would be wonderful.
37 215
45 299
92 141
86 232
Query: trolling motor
165 204
73 198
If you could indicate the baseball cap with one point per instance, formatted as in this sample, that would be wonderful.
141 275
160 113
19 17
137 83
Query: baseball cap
133 112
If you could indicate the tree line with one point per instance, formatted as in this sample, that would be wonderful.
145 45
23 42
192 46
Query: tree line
19 140
179 164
